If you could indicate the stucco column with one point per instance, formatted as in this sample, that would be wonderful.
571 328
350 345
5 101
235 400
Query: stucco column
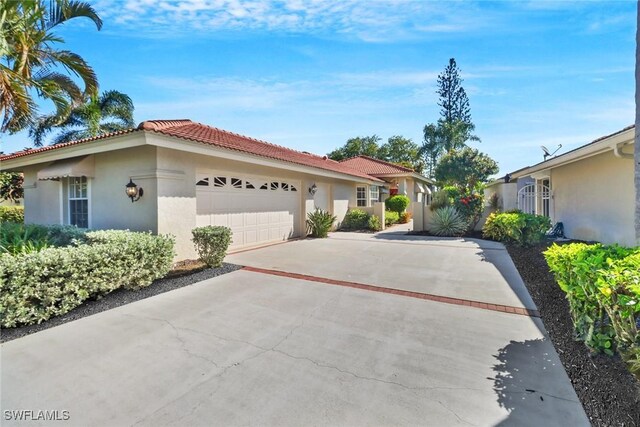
378 210
417 208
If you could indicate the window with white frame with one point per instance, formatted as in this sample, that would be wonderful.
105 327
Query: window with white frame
79 201
361 196
374 194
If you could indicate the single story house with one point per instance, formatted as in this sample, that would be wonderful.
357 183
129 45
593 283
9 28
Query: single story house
400 180
589 189
180 174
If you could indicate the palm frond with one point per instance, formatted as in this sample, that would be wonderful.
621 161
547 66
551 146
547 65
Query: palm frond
61 11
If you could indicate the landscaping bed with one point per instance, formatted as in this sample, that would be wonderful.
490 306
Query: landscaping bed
183 274
609 393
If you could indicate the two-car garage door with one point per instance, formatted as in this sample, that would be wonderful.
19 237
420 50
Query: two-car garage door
257 209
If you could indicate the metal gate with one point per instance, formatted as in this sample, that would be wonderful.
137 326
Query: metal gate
535 199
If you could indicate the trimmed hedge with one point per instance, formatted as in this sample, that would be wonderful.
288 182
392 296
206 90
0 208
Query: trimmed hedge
12 214
39 285
516 227
355 219
602 284
211 243
397 203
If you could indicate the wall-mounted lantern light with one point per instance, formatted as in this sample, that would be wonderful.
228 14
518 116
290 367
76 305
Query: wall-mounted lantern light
133 191
313 189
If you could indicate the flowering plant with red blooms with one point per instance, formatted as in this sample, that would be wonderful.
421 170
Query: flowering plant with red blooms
470 206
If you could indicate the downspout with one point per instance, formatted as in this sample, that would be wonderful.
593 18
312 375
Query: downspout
617 151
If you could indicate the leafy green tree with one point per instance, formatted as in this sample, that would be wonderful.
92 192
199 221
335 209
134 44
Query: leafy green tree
30 59
465 169
11 186
402 151
110 112
361 145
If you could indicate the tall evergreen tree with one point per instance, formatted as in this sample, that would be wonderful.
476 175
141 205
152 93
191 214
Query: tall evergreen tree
454 103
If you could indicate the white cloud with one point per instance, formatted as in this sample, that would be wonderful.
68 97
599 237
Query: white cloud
375 21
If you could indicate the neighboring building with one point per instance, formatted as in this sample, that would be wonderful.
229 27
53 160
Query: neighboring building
191 175
589 189
400 180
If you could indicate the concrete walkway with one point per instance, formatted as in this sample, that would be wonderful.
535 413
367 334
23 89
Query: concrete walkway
250 348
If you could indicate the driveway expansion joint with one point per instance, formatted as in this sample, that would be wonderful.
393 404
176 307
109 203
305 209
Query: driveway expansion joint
418 295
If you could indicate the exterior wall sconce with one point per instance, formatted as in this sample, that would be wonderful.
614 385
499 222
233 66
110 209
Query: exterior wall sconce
313 189
133 192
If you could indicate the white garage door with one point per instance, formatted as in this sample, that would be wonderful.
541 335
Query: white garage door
257 209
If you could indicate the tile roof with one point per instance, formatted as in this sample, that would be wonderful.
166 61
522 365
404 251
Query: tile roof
374 167
198 132
65 144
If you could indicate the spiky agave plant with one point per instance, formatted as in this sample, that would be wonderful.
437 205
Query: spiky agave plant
447 221
319 223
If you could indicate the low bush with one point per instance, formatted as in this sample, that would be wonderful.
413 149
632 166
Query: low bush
355 219
439 200
405 217
211 243
397 203
16 238
391 217
516 227
374 223
602 285
39 285
319 222
470 206
447 221
12 214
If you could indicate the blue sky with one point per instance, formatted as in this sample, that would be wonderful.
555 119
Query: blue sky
311 74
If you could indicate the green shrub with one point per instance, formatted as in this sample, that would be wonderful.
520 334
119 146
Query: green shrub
16 238
391 217
11 214
39 285
470 206
211 243
439 200
319 223
355 219
397 203
374 223
516 227
602 285
447 221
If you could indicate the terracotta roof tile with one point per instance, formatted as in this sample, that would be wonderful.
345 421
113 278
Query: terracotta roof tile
65 144
374 167
198 132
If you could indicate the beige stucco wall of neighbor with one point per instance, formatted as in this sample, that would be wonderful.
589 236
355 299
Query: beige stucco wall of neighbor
595 199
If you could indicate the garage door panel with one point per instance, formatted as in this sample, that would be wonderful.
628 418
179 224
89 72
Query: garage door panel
254 215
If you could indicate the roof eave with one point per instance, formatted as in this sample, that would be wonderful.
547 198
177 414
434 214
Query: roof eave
600 146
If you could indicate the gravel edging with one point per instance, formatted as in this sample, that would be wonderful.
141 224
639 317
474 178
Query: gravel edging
118 298
609 393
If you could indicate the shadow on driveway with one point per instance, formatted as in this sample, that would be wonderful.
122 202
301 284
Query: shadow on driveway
523 374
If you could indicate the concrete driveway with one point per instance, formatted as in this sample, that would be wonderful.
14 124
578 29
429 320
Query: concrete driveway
255 348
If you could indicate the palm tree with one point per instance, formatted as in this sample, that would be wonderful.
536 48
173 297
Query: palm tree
29 60
99 115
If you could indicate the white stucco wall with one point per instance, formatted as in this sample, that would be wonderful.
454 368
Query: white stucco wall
168 206
594 198
42 201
